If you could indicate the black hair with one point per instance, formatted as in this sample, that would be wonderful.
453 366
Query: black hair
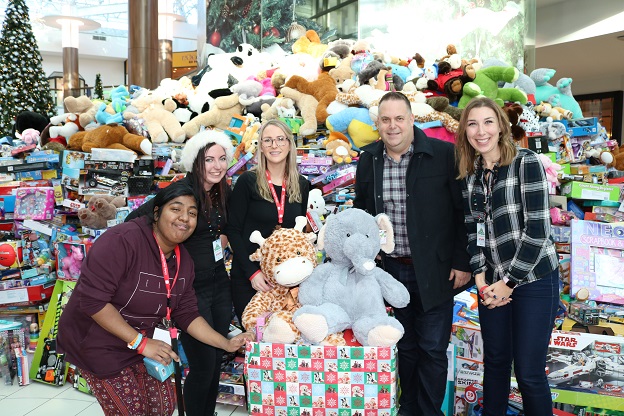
198 174
173 191
396 96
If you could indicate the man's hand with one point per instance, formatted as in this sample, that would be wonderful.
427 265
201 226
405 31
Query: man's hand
461 278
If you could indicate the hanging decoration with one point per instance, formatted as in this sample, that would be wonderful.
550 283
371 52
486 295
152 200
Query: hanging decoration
295 31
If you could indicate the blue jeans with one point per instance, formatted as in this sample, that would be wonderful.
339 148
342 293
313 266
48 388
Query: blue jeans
519 332
422 350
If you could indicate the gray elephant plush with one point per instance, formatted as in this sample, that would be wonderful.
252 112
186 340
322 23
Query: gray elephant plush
349 291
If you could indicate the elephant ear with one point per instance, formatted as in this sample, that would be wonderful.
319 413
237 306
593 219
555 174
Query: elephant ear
385 226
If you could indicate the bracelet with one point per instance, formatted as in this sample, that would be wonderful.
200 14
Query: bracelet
133 345
482 290
142 345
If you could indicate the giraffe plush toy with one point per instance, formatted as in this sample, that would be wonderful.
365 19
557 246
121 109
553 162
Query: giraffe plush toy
287 257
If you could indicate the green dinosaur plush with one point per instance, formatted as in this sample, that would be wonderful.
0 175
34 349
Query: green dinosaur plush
486 84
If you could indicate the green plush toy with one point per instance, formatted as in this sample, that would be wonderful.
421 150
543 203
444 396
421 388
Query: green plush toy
486 84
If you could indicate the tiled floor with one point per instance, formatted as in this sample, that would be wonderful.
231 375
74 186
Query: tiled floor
39 399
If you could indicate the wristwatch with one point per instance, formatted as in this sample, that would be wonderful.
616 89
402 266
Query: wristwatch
510 283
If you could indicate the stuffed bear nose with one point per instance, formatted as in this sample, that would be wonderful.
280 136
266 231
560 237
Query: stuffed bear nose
236 60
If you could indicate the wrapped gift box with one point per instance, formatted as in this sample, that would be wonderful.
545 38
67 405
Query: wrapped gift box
286 379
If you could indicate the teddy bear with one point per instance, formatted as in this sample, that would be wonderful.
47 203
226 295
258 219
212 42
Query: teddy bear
218 116
309 44
546 109
323 89
349 291
618 158
362 55
372 71
342 72
338 147
110 136
514 112
99 210
249 141
83 107
157 113
486 83
307 105
287 257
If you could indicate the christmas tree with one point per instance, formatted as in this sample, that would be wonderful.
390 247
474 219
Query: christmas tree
99 92
23 84
259 23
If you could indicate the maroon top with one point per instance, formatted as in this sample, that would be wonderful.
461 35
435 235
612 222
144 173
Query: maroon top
123 268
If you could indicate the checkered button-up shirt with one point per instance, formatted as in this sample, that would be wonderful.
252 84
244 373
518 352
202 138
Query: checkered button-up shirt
517 243
395 199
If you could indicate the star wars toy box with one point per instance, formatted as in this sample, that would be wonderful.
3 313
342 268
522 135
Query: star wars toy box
587 363
304 380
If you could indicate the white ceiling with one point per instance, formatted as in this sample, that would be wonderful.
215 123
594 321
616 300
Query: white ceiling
586 61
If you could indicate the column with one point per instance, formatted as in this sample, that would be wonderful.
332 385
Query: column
143 43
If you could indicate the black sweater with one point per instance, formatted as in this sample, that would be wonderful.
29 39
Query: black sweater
248 212
199 244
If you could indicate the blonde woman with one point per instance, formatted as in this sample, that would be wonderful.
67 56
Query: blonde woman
271 195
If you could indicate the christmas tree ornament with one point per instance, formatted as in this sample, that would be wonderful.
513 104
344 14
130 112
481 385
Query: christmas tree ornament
295 31
256 30
215 38
272 32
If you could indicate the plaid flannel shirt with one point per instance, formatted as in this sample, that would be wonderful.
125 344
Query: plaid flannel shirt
395 199
518 242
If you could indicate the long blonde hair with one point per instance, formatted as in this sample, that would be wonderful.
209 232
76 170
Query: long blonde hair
466 155
292 174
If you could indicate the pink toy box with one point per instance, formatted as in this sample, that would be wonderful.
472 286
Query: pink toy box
70 256
34 203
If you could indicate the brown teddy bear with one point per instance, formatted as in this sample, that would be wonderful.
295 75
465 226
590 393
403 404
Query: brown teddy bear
218 116
109 136
323 89
618 158
100 209
339 148
343 71
83 107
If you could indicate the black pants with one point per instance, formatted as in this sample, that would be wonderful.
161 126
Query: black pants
214 301
422 350
242 292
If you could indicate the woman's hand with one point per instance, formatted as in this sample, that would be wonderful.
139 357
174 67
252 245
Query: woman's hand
159 351
260 283
497 294
238 341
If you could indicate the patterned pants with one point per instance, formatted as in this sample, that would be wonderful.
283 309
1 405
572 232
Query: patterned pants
133 393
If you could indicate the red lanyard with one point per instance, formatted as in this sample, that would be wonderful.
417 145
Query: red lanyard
168 285
279 204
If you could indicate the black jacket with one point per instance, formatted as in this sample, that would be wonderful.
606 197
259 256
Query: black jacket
435 216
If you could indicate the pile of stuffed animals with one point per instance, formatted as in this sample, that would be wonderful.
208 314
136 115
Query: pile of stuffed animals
332 89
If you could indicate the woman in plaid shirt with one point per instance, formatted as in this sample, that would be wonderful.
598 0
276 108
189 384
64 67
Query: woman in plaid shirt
512 256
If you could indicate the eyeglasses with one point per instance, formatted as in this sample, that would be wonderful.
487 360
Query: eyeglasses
280 140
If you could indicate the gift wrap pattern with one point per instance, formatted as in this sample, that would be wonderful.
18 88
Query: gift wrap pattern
303 380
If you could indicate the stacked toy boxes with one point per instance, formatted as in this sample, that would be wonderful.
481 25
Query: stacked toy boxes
286 379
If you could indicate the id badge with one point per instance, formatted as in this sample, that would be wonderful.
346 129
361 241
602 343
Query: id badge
217 247
480 234
162 335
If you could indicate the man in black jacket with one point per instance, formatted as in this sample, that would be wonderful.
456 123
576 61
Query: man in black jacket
412 178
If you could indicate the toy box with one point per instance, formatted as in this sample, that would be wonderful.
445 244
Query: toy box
34 203
584 362
468 340
597 260
9 254
69 259
581 126
104 178
286 379
584 190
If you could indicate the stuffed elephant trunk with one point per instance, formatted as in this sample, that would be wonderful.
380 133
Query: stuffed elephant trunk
359 250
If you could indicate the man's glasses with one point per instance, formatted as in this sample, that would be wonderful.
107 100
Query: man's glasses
280 140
